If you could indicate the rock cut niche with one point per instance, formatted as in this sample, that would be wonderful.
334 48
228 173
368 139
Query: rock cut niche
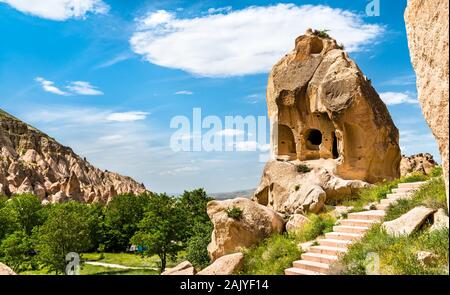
313 138
286 141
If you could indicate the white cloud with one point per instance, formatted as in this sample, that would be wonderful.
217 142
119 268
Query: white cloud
401 81
184 92
230 132
249 146
83 88
242 42
220 9
127 116
393 98
59 10
49 86
181 170
115 60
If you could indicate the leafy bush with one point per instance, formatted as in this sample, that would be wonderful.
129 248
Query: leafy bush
431 195
318 225
302 168
436 172
323 33
15 251
272 256
234 212
398 254
197 252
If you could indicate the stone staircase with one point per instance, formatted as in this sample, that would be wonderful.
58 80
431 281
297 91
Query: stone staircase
319 258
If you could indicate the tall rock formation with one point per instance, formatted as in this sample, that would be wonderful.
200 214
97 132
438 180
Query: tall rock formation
427 29
32 162
325 115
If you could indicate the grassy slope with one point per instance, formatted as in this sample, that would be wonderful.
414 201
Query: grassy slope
398 254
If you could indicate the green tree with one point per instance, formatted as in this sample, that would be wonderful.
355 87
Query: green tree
122 216
193 204
162 229
9 221
67 229
28 209
197 252
15 250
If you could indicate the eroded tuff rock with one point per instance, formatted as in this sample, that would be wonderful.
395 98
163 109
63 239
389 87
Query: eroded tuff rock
325 115
427 30
184 268
422 163
232 234
6 270
408 222
289 191
32 162
225 265
323 107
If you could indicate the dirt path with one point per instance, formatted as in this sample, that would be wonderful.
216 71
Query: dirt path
112 265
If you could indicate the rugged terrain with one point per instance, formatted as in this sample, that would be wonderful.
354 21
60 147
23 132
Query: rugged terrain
33 162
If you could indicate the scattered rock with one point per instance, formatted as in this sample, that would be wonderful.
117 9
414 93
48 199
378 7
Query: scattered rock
426 258
230 235
408 222
422 163
184 268
296 222
440 220
6 270
225 265
427 31
341 211
309 198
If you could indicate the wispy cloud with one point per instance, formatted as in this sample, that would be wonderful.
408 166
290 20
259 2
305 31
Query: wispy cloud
243 46
75 88
115 60
49 86
230 132
59 10
394 98
405 80
83 88
184 92
127 116
219 10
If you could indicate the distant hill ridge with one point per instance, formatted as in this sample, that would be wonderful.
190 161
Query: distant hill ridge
33 162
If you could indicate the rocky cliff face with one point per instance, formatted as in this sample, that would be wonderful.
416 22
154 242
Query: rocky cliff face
421 163
32 162
427 29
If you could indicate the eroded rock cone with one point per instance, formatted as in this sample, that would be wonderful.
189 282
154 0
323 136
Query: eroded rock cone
421 163
326 108
32 162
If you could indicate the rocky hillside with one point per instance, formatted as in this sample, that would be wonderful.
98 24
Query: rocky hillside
33 162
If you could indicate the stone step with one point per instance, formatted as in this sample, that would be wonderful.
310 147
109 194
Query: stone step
411 184
403 190
328 250
350 229
343 236
394 196
299 271
312 266
388 201
357 222
382 206
317 257
334 243
368 215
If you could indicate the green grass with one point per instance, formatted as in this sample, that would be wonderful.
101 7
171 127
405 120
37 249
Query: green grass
126 259
397 254
98 270
377 192
431 195
276 253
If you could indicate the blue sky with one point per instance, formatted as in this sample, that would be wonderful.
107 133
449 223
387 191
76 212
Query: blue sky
106 77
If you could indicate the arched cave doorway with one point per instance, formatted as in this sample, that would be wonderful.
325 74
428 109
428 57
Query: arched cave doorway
313 139
286 142
335 146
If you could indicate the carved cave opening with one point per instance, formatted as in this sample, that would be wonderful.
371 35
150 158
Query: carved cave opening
335 146
286 141
313 139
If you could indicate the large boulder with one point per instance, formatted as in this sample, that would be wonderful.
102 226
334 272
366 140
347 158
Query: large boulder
6 270
287 189
420 163
184 268
323 107
427 30
408 222
232 234
296 222
225 265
